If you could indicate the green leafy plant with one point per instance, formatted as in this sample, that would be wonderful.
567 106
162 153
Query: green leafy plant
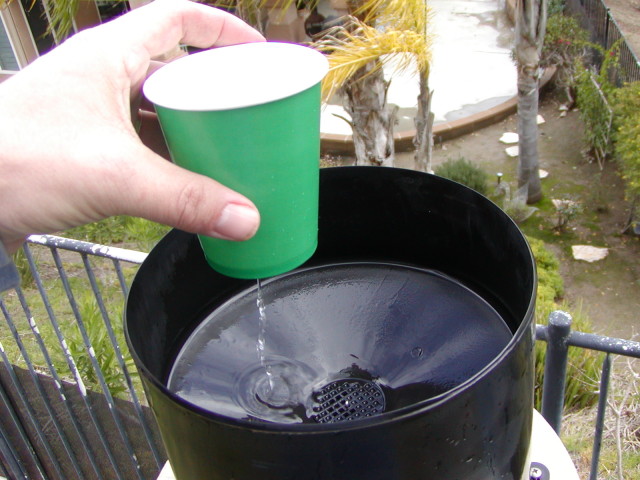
565 47
626 106
594 90
102 349
555 7
566 210
24 270
463 171
584 365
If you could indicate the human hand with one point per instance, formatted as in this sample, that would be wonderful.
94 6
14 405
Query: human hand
69 153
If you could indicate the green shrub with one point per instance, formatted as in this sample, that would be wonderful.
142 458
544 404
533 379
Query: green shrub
626 107
565 45
584 365
463 171
594 91
104 352
24 269
564 39
554 7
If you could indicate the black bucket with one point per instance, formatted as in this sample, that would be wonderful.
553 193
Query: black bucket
414 320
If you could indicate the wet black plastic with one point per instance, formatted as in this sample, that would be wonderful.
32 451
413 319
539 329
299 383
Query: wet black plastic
414 332
478 430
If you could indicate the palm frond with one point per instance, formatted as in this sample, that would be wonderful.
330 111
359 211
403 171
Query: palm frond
413 15
352 47
61 16
401 14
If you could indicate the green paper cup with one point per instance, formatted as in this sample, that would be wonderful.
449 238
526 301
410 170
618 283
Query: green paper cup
249 117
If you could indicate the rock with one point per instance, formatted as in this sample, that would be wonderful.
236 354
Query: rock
543 173
562 203
512 151
540 119
509 137
588 253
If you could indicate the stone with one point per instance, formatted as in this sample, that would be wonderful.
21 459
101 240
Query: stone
512 151
588 253
509 137
560 203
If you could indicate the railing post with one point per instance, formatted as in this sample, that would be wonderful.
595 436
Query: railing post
602 406
555 368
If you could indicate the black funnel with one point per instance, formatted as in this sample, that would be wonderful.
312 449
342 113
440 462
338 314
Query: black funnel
401 350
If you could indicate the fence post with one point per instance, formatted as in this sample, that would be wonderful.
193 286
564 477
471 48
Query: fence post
555 368
602 406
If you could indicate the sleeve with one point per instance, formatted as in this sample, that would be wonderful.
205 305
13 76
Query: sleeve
9 277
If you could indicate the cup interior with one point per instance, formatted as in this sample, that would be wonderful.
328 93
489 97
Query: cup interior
236 76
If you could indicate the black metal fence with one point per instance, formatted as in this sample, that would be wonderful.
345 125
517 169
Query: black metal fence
69 404
596 17
62 416
559 338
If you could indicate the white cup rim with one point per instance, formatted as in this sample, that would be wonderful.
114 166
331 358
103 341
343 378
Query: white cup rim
236 76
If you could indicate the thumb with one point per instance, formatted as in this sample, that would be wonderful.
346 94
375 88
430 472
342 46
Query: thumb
166 193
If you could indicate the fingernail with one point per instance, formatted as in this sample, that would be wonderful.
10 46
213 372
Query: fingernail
237 222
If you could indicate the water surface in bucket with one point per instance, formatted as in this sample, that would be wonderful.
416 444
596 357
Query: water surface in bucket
409 333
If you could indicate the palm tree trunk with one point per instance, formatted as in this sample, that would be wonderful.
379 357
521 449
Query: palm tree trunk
531 19
528 164
423 141
372 120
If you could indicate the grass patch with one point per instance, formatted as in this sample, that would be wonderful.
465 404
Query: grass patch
137 233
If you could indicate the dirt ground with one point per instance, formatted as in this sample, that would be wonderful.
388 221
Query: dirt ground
608 290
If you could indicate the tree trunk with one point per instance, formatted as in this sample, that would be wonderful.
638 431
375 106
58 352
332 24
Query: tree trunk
423 141
528 165
531 19
372 120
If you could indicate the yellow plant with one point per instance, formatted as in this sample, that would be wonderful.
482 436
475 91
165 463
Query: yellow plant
351 49
378 33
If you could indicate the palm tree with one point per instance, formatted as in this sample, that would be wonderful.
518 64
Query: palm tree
378 33
531 18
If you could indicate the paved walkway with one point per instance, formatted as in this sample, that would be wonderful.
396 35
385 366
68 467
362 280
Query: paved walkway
472 70
626 13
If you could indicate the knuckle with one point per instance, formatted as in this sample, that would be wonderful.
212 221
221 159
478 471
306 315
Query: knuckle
191 200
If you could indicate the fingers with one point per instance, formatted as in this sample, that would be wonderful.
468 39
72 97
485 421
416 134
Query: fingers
188 201
162 24
82 117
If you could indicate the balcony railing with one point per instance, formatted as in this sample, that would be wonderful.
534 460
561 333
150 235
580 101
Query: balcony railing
54 425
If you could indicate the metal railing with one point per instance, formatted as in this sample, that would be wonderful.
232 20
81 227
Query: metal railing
559 338
54 425
596 17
